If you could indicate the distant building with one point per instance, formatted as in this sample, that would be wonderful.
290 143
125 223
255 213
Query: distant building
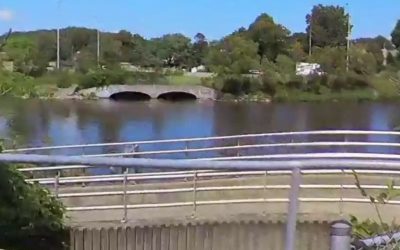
5 62
200 68
386 53
306 69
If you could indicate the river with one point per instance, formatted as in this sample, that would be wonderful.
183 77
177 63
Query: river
56 122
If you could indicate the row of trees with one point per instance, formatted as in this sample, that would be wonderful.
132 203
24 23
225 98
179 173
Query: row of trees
247 48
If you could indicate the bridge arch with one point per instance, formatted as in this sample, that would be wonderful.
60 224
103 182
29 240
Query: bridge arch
177 96
130 96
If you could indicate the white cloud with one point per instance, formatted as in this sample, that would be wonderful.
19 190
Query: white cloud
6 15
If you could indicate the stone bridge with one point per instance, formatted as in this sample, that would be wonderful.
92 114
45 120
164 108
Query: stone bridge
144 92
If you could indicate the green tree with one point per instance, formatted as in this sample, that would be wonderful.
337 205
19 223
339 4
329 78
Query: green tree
233 55
271 38
331 59
199 49
173 50
22 50
30 218
362 61
396 35
328 25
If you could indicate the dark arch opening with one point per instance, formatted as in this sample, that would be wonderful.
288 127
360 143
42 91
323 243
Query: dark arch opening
130 96
177 96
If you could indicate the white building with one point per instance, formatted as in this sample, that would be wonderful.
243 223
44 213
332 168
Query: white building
306 69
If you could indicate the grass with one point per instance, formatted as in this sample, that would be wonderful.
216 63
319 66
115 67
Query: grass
387 89
344 95
183 80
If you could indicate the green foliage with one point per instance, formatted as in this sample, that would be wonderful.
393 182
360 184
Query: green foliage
103 77
64 80
369 228
17 84
396 35
331 59
234 55
362 62
241 85
271 37
329 25
29 217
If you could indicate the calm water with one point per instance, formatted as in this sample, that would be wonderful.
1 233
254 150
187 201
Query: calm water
36 122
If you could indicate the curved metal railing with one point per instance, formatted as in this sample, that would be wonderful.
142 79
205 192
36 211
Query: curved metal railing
249 146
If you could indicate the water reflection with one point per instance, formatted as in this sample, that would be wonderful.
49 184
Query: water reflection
37 122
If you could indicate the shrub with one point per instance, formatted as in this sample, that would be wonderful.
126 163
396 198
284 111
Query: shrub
232 85
101 78
30 218
64 80
269 85
357 81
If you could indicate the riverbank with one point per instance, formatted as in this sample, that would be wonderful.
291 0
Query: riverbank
64 85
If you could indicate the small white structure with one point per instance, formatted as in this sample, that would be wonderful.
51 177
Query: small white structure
306 69
200 68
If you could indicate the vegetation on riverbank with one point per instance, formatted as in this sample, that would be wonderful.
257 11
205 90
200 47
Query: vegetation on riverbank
258 62
30 218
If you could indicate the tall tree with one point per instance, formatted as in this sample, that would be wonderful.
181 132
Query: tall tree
396 35
328 25
173 49
233 55
271 37
199 49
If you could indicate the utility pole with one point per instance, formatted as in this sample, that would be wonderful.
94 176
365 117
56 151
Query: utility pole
98 47
348 39
310 36
58 36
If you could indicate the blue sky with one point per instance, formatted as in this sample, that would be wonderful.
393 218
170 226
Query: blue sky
215 18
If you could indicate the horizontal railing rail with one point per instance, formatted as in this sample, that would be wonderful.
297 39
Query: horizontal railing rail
300 133
250 146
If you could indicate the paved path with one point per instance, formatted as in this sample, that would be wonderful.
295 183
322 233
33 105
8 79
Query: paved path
308 211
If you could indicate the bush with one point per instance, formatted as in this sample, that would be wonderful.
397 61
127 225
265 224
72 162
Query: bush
17 84
101 78
241 85
30 218
357 81
338 83
64 80
232 85
269 85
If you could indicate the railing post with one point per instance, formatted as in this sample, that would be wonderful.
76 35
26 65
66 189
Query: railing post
238 150
340 235
125 198
265 191
194 194
341 204
56 184
135 150
186 148
292 210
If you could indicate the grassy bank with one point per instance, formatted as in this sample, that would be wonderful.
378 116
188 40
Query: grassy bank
234 88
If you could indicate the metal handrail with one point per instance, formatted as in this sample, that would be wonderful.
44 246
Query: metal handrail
293 163
321 132
225 202
79 161
185 174
220 188
251 146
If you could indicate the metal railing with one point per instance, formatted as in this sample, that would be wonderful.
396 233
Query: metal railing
294 166
242 162
249 146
